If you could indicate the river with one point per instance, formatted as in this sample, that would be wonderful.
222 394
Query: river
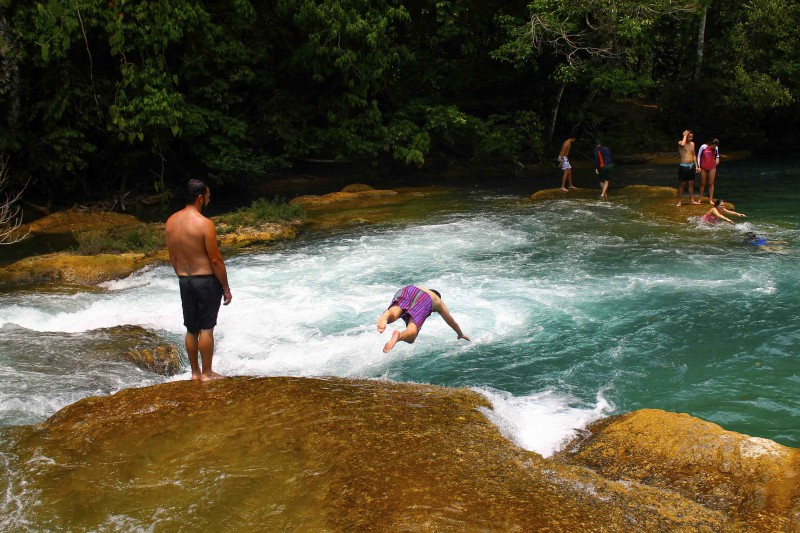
577 308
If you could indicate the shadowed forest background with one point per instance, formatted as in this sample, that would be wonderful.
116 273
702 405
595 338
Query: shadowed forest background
100 98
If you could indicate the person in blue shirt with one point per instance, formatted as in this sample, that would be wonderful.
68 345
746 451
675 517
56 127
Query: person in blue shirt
603 165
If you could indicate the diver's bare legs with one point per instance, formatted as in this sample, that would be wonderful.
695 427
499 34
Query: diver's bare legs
408 335
603 192
389 316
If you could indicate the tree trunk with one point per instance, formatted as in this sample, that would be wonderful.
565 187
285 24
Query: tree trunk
552 129
701 39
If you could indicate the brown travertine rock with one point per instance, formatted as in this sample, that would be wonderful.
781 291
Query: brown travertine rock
144 348
69 221
273 454
753 479
357 187
67 268
265 233
647 201
340 197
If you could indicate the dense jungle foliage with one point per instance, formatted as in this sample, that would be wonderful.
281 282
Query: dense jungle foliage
100 97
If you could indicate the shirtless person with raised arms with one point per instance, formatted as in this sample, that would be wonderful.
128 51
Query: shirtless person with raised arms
688 166
414 305
203 280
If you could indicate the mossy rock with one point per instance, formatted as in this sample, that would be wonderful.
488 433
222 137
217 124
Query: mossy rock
73 269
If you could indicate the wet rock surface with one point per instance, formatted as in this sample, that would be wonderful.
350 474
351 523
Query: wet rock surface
144 348
327 455
752 479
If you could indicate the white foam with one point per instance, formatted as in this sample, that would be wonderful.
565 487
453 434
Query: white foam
543 422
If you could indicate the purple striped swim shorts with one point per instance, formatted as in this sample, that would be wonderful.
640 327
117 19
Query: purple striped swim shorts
415 303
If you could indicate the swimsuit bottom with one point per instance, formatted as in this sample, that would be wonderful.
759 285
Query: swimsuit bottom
686 172
201 297
415 303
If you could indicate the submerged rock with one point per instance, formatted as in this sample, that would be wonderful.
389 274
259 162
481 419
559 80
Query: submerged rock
144 348
753 479
314 455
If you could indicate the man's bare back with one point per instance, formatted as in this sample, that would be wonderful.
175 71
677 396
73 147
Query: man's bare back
186 233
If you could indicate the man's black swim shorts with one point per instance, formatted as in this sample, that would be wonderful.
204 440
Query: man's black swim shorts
201 297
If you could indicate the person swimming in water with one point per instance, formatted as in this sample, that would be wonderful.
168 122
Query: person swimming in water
715 213
762 242
414 305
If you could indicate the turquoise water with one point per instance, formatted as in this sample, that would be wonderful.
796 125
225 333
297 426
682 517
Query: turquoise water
577 309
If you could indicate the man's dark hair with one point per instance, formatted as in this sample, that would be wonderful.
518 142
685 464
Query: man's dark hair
436 293
194 189
714 142
597 142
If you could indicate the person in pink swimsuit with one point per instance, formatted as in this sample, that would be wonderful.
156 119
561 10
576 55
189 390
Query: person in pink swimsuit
715 213
708 159
414 305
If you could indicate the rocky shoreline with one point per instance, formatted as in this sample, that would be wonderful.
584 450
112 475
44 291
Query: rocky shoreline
356 204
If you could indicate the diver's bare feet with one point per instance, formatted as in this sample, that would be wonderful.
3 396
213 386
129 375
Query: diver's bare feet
572 187
679 205
211 376
565 190
196 375
389 345
695 202
382 324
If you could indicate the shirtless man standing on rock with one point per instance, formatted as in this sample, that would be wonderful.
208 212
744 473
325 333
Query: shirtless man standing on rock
688 166
203 280
563 163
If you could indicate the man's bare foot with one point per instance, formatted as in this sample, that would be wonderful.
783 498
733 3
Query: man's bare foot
381 324
389 345
211 376
196 375
695 202
679 205
565 190
572 187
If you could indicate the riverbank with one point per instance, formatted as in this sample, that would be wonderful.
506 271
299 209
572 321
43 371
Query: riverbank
339 455
354 205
